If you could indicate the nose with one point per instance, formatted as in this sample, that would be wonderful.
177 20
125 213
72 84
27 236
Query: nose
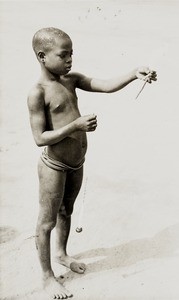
69 59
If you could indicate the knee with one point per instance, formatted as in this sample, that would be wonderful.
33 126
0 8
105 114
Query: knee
69 211
47 226
66 210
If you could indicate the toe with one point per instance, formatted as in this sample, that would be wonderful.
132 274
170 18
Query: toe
69 295
83 266
78 268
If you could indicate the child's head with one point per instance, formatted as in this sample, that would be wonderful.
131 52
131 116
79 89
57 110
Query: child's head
53 48
44 39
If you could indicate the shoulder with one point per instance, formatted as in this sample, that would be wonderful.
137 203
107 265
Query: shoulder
76 77
80 80
35 97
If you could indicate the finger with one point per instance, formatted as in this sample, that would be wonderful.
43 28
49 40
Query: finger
146 78
92 129
149 77
93 122
92 117
152 72
92 125
145 70
153 78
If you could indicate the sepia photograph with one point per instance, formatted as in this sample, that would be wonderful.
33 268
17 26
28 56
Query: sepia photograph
89 150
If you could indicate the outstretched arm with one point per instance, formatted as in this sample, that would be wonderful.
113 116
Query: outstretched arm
44 137
115 84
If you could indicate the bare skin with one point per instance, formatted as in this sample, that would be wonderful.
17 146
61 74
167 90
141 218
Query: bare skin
57 124
73 185
55 197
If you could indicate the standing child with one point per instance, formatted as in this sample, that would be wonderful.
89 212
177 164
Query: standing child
57 124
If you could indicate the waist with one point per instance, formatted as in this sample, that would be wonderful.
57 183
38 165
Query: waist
70 150
58 165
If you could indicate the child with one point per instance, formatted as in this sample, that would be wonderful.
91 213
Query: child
57 124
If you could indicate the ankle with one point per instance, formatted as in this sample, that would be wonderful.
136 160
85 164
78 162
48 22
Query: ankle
61 255
47 275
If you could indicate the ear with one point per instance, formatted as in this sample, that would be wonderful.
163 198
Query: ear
41 56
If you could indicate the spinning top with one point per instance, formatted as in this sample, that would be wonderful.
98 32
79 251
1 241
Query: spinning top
79 229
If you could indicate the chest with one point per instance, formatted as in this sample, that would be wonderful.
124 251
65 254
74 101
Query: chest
59 98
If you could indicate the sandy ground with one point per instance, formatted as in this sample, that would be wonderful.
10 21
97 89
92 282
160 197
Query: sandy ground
130 238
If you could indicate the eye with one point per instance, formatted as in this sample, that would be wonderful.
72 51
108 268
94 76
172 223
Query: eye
65 54
62 55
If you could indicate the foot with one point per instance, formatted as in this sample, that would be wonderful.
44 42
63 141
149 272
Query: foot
71 263
54 289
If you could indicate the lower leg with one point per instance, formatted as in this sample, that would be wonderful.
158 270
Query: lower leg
62 230
50 284
43 248
72 187
62 233
50 200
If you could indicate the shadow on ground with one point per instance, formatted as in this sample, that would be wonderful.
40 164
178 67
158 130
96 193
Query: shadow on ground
7 234
163 244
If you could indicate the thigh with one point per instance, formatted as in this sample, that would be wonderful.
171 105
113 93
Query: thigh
51 190
72 188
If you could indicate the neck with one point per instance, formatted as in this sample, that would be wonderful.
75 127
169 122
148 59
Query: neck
46 75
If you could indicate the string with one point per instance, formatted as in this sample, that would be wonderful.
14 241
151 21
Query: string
79 227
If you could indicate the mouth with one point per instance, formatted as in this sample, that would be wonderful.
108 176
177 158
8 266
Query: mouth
68 67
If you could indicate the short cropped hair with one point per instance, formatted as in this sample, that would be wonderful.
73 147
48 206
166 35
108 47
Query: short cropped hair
44 38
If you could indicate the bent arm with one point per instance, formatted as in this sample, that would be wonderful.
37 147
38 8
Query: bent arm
42 136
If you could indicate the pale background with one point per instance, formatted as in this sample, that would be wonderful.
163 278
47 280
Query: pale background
130 237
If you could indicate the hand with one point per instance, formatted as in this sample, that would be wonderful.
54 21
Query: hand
144 73
86 123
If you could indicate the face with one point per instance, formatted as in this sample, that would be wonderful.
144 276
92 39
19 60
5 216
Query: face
58 60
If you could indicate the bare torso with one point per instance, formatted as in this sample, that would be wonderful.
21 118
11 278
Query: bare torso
61 108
